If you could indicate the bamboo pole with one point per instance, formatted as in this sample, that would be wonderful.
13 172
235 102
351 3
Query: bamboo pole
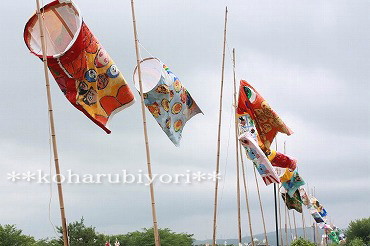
246 196
237 154
276 217
304 225
312 221
219 134
286 225
275 201
290 224
52 126
295 225
316 227
154 213
314 232
261 208
281 234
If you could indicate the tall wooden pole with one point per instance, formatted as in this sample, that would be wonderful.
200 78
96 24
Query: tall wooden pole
316 227
311 220
237 154
219 135
304 225
281 234
238 145
276 211
276 217
314 232
246 196
295 225
154 213
261 208
286 225
290 224
52 126
317 233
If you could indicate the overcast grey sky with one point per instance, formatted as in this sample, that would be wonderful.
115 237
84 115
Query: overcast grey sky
309 59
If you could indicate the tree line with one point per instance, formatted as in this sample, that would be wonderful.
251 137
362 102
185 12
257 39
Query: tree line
357 234
82 235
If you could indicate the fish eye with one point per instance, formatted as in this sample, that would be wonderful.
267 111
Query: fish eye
113 71
90 75
251 94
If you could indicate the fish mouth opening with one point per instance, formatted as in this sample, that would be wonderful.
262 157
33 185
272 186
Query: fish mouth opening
62 25
151 72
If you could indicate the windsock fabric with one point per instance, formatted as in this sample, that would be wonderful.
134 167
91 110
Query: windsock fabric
166 98
263 165
246 124
327 228
316 216
286 176
280 172
278 159
316 204
305 198
334 237
323 212
340 233
268 123
293 202
84 71
293 184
